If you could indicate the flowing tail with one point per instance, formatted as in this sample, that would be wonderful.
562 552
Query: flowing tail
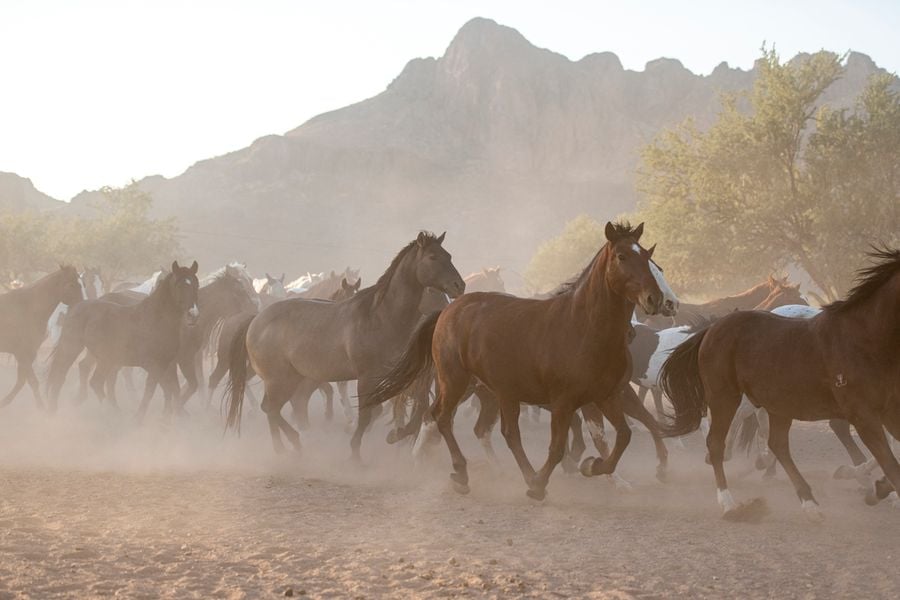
415 361
237 379
680 380
746 432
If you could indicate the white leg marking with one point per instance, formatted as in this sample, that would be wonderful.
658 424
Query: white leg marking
895 500
428 435
620 483
726 500
811 510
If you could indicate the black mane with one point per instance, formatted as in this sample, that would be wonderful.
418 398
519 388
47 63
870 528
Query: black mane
373 294
870 279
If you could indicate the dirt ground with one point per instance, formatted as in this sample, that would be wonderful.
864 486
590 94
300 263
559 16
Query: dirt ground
92 505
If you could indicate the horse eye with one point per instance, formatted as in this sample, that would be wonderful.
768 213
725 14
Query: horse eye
621 256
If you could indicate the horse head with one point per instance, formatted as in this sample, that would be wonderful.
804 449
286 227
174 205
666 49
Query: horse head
434 267
631 272
183 287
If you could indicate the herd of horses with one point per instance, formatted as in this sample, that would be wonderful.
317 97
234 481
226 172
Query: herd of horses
424 339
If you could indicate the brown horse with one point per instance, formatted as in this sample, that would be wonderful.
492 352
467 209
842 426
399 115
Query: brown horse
563 352
841 363
782 294
296 344
146 335
24 313
486 280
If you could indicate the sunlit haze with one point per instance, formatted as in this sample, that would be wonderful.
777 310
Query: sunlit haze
97 93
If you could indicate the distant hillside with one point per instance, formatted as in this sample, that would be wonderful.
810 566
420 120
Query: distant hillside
498 141
18 194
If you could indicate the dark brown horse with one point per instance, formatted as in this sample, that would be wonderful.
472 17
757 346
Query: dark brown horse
24 313
143 335
841 363
564 352
296 344
224 295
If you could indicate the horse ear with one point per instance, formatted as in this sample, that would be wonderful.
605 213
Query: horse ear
651 250
357 284
440 238
269 276
770 280
484 271
175 266
610 232
344 284
194 268
638 231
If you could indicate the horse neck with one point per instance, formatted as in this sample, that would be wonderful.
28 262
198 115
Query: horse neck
43 297
400 300
160 304
879 318
598 309
744 300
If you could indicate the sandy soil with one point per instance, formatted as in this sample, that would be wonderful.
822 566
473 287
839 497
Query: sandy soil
91 505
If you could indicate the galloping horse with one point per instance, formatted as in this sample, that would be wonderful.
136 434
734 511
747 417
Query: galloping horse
23 322
143 335
841 363
564 352
296 344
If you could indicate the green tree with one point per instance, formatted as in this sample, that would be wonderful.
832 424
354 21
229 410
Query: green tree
776 180
559 258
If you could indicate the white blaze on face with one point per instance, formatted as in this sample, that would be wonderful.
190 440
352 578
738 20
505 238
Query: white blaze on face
635 248
83 291
447 298
668 294
194 312
98 286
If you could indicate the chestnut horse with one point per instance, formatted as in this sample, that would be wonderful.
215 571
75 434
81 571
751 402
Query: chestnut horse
841 363
564 352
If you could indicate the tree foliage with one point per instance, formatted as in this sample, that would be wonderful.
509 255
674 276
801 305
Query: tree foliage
561 257
121 238
778 179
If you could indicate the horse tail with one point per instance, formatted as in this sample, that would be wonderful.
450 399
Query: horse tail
746 433
415 361
680 380
238 360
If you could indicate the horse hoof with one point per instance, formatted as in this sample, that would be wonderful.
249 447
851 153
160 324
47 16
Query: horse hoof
536 494
811 511
392 437
587 466
844 472
871 499
661 475
460 483
748 512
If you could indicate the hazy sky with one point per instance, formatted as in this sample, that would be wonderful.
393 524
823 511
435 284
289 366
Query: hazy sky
98 92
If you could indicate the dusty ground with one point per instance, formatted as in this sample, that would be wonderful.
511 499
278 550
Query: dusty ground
91 505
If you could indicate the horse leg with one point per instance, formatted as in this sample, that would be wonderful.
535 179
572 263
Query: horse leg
328 390
560 421
573 455
488 413
99 380
398 419
21 379
634 408
85 366
722 407
509 427
779 443
364 418
278 393
593 417
658 402
300 411
535 412
345 401
188 366
111 389
153 376
128 374
841 429
169 384
453 383
871 432
765 458
35 386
